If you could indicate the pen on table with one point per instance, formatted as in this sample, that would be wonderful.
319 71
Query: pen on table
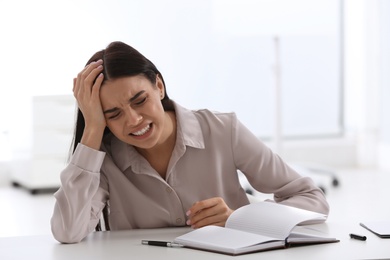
358 237
160 243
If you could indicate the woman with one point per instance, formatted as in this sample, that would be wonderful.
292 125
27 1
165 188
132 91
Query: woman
155 163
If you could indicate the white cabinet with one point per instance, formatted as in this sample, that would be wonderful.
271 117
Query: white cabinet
52 126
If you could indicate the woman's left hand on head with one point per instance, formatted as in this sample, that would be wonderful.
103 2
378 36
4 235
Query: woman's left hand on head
212 211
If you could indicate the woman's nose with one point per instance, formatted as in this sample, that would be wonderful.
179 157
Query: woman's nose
133 118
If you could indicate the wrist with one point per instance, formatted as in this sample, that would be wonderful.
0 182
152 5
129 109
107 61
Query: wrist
92 137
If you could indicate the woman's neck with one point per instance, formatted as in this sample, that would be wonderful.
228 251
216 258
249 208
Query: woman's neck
160 155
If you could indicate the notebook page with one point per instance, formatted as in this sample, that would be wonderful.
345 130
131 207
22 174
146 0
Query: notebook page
269 219
307 234
215 236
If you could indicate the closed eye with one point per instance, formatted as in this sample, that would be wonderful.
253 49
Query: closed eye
140 102
114 112
114 116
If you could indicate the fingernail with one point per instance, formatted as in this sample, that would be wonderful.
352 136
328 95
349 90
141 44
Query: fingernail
188 222
188 213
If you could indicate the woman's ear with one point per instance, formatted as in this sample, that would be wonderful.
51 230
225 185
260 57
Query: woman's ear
160 86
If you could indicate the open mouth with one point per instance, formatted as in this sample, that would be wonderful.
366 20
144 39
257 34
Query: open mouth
142 131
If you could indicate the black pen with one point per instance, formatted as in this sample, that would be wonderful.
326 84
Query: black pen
358 237
160 243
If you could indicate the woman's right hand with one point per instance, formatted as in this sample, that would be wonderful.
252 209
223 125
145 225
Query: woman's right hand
86 88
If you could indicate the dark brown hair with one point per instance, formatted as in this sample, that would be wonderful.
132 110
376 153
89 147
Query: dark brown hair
121 60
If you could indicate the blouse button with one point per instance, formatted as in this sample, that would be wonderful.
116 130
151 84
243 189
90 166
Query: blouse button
169 190
178 221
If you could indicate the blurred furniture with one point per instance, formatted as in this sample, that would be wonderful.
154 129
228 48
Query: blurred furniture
53 122
324 178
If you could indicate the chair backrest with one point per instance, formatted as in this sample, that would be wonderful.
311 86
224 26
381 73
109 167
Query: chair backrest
104 220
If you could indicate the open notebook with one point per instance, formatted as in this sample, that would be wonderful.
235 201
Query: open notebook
256 227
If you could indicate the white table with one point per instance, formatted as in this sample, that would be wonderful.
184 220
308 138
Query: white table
127 245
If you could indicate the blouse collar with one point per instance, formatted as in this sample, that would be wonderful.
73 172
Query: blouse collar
189 133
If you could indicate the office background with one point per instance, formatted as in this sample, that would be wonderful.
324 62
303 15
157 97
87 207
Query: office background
328 106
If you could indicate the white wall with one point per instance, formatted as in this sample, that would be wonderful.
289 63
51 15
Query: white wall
215 54
367 82
384 43
35 61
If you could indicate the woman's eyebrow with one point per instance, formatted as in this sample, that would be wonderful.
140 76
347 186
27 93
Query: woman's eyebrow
130 100
136 95
110 110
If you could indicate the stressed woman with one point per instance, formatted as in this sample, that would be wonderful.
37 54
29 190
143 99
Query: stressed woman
153 163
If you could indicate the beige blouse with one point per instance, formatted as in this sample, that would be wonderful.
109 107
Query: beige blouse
209 149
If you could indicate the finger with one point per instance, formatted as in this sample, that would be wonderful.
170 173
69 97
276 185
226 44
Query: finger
204 209
206 216
83 74
77 82
87 69
216 215
86 79
200 205
209 212
74 83
96 86
91 77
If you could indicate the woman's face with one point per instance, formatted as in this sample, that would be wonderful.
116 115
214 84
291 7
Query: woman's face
133 110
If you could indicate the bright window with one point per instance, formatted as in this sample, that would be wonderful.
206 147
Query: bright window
216 54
